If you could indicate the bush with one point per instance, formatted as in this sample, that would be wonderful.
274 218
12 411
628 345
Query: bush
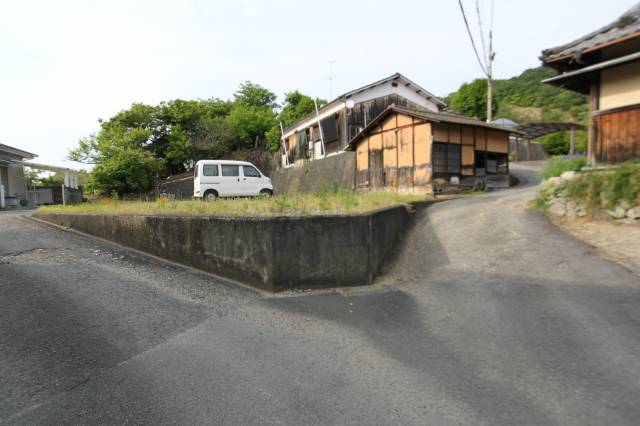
559 165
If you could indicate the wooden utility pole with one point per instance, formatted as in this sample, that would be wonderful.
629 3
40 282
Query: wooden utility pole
490 57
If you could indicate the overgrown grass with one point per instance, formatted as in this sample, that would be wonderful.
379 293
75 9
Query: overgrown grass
559 165
605 189
323 202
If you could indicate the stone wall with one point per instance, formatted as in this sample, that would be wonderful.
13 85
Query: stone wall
558 204
309 176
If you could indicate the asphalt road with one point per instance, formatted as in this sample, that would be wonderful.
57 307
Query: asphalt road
489 315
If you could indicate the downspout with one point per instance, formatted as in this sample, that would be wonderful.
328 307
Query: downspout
284 144
319 128
1 191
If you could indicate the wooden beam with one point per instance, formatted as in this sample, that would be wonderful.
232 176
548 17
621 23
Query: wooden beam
594 105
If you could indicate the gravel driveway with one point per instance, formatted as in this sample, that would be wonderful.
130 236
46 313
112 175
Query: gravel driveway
489 315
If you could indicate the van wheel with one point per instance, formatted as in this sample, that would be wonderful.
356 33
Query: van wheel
210 195
266 192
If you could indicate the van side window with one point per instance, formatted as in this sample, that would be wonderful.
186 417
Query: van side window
230 170
210 170
250 171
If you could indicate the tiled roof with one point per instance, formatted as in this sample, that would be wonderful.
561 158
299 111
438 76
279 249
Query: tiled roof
625 27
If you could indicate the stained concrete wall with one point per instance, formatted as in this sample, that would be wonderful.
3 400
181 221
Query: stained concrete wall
310 176
273 254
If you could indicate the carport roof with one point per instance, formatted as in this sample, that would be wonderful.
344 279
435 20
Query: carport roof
535 130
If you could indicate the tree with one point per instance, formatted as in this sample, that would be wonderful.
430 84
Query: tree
254 95
213 138
296 106
122 164
471 99
180 150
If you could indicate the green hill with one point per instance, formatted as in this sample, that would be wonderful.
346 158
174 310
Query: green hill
525 99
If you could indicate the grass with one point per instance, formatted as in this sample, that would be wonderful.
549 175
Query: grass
559 165
319 203
605 189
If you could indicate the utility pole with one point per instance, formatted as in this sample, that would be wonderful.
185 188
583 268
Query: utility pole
486 59
490 57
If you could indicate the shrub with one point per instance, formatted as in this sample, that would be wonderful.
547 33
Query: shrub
605 189
559 165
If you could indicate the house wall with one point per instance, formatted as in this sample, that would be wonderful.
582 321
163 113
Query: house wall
17 184
618 135
397 154
620 86
4 179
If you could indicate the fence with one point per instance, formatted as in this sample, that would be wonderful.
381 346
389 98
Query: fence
525 150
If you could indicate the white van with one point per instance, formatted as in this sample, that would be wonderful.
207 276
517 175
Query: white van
226 178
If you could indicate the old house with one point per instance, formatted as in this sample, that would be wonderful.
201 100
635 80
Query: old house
605 65
417 150
330 129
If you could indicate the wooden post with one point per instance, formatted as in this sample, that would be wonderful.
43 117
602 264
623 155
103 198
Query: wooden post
528 149
572 141
594 105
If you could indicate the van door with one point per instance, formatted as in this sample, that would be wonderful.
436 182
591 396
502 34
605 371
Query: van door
251 180
230 180
209 178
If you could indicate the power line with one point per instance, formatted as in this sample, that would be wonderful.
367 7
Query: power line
473 43
484 47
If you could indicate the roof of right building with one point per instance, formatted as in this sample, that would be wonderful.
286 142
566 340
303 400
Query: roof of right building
572 55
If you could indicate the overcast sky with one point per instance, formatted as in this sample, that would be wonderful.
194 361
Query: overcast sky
67 63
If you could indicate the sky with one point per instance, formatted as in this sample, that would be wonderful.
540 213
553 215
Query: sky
67 63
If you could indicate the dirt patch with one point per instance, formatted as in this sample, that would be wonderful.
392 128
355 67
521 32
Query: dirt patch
617 242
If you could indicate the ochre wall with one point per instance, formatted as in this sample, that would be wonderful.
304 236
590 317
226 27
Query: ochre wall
497 141
481 139
620 86
401 148
405 147
440 133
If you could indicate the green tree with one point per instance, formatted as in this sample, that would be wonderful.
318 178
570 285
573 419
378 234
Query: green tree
471 99
296 106
122 165
214 138
180 151
255 95
253 114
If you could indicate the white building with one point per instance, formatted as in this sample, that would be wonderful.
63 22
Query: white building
330 129
13 185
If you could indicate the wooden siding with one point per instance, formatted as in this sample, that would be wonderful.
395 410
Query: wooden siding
397 154
497 142
618 135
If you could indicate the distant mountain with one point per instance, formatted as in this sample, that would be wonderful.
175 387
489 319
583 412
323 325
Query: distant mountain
525 99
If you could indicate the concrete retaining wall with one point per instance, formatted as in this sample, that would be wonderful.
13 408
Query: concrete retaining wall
309 176
274 254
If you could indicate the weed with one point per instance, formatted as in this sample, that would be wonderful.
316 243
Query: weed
559 165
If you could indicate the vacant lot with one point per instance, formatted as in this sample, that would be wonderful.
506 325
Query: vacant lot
340 202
